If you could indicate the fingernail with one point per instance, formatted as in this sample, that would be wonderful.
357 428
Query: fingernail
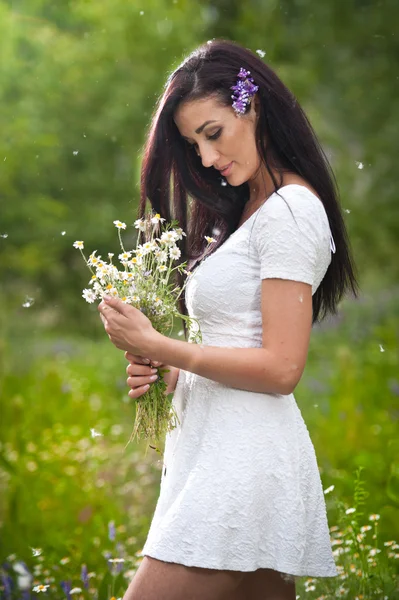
146 360
107 298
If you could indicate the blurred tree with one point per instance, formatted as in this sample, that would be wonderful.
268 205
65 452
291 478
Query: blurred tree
78 85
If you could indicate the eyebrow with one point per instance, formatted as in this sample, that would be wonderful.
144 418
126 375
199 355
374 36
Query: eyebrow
200 129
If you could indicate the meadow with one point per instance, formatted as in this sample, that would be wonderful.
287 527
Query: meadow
77 502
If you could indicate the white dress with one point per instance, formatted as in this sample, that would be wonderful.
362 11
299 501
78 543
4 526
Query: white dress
240 488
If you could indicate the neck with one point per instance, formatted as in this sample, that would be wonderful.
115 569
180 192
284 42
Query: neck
261 186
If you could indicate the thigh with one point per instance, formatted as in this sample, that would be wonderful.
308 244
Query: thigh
265 584
159 580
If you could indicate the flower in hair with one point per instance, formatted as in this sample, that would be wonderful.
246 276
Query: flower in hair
244 90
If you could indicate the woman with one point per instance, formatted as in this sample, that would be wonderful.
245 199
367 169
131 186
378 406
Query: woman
241 510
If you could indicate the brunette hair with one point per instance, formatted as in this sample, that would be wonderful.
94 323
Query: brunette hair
173 176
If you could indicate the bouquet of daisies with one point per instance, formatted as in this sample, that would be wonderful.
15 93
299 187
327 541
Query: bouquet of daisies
145 281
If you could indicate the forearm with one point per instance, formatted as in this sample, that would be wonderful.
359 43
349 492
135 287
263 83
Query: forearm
253 369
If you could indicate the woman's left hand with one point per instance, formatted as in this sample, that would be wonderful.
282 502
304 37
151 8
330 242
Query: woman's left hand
127 327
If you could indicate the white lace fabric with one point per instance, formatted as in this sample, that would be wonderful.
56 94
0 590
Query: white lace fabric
240 488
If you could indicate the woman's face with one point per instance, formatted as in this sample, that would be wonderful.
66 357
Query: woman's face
221 137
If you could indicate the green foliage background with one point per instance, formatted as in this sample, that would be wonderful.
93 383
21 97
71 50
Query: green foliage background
78 85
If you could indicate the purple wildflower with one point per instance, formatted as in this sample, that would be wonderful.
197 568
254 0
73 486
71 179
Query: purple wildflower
7 586
244 89
66 588
111 531
84 576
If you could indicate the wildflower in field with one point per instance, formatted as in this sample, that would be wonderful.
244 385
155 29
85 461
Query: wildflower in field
116 560
95 433
349 511
210 240
76 590
40 588
119 225
24 579
111 531
328 490
84 575
365 528
65 560
78 245
36 551
374 517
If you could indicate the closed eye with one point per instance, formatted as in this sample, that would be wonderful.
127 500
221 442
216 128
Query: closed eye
215 136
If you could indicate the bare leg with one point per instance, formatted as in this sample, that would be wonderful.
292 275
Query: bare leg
265 584
159 580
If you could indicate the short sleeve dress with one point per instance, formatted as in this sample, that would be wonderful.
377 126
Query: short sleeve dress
240 488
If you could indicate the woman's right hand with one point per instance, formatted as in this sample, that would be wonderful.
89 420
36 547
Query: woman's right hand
140 372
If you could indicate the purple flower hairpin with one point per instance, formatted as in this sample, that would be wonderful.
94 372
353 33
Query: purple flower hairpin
244 90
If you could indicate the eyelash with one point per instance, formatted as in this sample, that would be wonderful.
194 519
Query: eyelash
211 137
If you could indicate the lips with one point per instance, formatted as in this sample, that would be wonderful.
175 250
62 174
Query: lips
225 168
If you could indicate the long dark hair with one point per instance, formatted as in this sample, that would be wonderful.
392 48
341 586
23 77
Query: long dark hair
173 177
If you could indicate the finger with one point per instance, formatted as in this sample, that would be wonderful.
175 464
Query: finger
136 358
135 382
117 304
136 393
135 370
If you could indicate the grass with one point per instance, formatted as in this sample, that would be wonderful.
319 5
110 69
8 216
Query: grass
66 477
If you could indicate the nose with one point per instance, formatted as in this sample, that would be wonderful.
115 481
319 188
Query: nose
209 156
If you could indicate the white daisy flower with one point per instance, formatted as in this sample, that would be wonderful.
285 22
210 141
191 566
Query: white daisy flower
329 489
179 232
75 590
374 517
139 224
135 261
119 225
148 247
162 256
125 256
209 239
169 237
174 252
40 588
36 551
93 259
349 511
89 295
162 268
78 245
156 219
